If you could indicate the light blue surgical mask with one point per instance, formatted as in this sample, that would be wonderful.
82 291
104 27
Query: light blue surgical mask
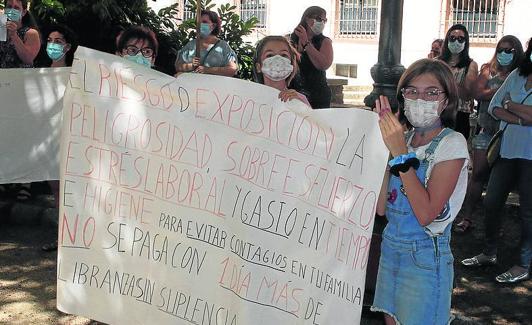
504 58
55 51
13 14
139 59
205 29
456 47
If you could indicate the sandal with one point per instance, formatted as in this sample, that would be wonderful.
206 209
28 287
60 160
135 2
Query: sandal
480 260
513 275
463 226
50 247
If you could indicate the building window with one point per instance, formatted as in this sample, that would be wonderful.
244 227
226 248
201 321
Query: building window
482 18
254 8
358 18
187 11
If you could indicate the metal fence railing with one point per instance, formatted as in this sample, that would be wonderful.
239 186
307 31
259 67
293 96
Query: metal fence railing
482 18
254 8
358 18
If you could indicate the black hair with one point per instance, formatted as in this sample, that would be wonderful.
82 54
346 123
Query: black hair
70 37
140 33
525 68
518 54
213 16
445 55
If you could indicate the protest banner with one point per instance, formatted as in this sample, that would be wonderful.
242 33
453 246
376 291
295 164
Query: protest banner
206 200
30 123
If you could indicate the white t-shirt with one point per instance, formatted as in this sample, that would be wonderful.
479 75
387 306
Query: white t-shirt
452 146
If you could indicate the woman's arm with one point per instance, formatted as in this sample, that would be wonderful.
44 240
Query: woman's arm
466 92
28 48
229 70
186 61
481 91
181 66
522 111
322 58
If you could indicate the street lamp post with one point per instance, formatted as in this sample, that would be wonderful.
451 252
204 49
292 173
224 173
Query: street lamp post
388 70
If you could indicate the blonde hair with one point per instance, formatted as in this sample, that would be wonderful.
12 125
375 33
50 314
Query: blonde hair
294 57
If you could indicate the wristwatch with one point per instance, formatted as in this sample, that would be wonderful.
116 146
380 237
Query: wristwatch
505 104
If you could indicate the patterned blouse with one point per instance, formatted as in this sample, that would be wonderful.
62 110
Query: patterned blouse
8 55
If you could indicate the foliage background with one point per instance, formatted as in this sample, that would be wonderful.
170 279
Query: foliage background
98 22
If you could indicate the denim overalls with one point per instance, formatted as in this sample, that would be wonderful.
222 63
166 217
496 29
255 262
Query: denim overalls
414 283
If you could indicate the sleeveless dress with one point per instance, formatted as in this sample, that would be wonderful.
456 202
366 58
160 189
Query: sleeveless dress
415 277
464 106
8 55
311 81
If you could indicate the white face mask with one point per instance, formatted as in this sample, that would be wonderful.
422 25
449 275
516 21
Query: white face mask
456 47
421 113
317 27
277 67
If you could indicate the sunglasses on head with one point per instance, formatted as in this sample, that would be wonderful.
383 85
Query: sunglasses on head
507 51
460 39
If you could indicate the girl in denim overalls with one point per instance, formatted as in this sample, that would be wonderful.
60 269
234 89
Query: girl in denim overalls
421 195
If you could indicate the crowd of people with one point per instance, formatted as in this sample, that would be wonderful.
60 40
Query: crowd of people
426 182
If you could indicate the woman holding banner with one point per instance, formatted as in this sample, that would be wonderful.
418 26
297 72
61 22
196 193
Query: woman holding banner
215 57
421 197
23 41
275 65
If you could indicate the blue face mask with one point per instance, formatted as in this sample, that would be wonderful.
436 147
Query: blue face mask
505 59
55 51
205 29
13 14
456 47
139 59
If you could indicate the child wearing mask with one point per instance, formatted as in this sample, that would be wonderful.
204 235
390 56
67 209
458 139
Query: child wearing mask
421 194
275 65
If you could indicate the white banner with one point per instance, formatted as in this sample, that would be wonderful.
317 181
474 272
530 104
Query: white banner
30 123
206 200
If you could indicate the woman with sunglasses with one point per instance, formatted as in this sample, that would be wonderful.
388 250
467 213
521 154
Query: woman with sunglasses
455 53
512 105
508 54
316 57
23 41
138 44
422 192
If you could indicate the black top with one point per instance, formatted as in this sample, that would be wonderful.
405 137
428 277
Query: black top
311 81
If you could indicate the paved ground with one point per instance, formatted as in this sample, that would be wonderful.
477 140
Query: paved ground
27 274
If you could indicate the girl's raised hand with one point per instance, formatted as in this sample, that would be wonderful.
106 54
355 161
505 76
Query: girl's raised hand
391 129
